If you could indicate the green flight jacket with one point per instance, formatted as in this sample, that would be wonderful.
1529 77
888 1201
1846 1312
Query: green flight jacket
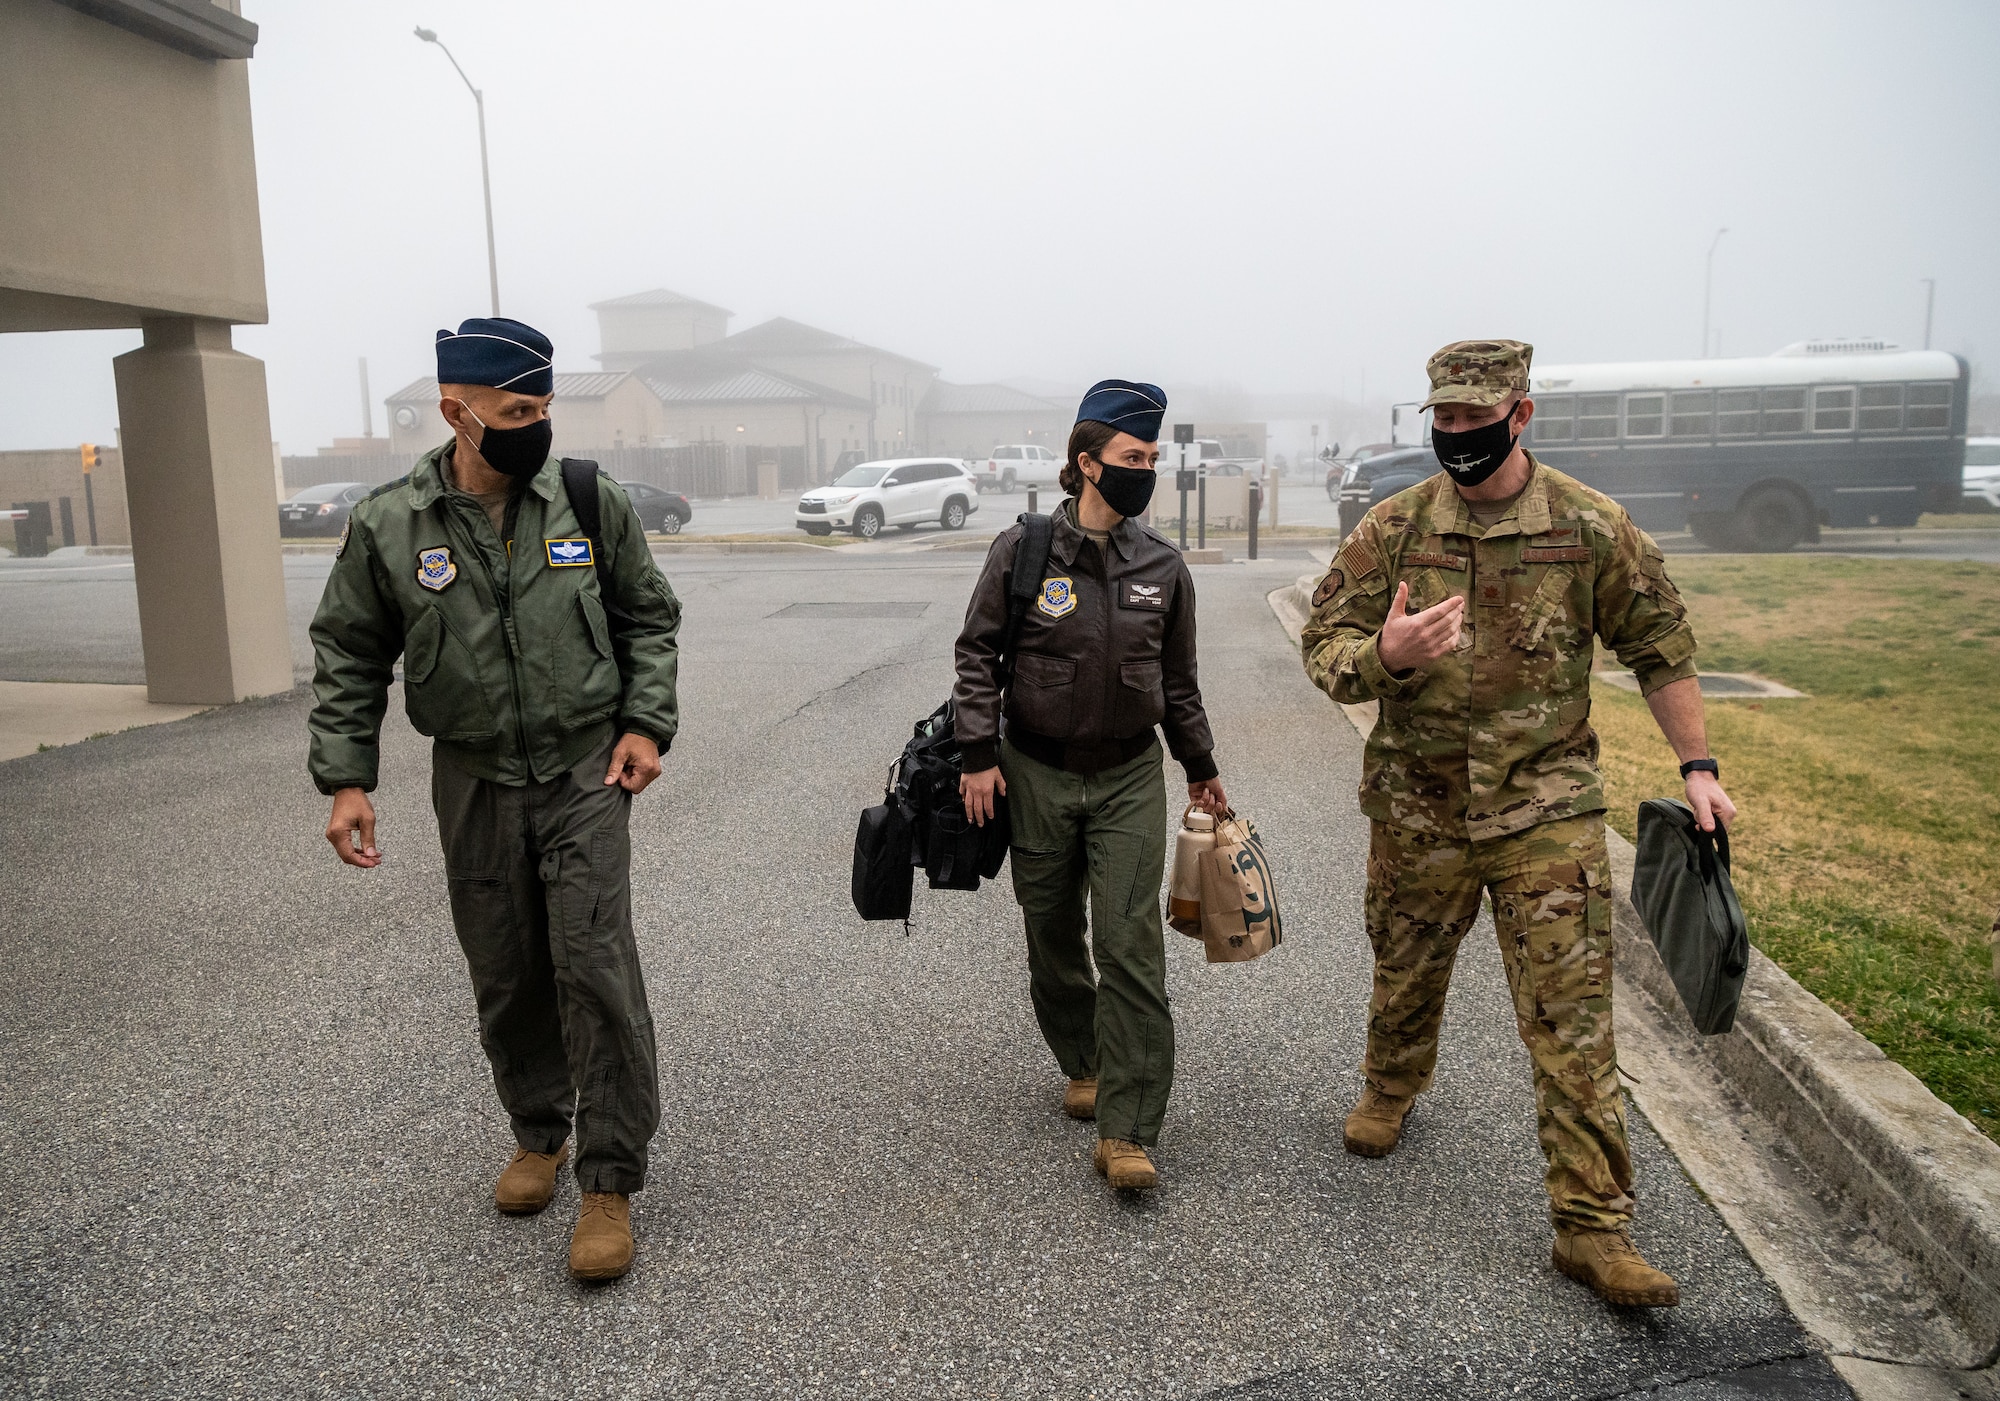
509 661
1495 735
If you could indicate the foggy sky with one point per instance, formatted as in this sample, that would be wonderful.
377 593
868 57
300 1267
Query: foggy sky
1285 197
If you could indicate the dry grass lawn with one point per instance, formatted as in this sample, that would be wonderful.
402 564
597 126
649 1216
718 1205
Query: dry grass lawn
1867 853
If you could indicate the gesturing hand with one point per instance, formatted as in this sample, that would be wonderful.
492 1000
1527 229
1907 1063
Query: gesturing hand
1417 639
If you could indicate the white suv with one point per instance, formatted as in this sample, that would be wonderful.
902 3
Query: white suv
903 492
1982 471
1019 464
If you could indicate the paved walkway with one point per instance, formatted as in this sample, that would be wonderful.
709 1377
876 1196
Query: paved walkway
251 1137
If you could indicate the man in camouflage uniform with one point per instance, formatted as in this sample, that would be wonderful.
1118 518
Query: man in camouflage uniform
1467 606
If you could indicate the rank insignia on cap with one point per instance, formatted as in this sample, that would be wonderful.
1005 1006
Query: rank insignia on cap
1058 598
570 554
435 569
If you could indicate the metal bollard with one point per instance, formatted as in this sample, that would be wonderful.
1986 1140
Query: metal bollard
1034 497
1201 506
1256 509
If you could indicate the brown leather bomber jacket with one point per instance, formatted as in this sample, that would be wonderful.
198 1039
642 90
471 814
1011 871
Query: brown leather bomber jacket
1106 653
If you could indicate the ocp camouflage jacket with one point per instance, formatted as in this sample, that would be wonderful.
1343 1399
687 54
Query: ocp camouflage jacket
509 661
1495 736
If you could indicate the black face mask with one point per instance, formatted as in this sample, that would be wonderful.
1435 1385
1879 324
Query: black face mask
1469 458
1126 490
515 452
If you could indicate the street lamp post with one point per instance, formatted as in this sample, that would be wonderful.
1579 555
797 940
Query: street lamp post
1930 301
1708 289
429 36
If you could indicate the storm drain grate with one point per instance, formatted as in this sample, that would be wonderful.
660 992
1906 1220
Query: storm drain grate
852 610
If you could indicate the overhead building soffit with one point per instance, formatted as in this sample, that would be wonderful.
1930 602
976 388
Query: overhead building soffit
192 26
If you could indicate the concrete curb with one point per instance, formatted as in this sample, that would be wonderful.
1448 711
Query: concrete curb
1926 1181
682 546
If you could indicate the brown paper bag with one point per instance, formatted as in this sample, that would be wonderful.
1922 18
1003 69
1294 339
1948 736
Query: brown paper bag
1196 836
1239 899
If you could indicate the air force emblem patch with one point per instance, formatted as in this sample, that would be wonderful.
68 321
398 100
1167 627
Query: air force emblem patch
1058 598
570 554
435 569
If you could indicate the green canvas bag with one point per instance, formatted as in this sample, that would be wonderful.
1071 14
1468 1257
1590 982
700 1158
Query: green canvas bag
1683 893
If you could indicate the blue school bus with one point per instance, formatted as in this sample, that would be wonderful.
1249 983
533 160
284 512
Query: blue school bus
1759 453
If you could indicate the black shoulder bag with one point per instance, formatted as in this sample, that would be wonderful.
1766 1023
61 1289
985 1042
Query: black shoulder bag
579 479
921 818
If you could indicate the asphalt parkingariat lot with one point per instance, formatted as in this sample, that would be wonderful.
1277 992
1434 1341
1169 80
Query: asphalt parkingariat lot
252 1137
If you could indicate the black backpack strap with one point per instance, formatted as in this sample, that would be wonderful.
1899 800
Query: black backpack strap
579 478
1031 557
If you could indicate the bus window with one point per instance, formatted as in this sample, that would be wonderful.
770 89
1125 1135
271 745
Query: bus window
1881 408
1930 407
1555 418
1691 414
1833 410
1645 415
1736 412
1784 411
1597 417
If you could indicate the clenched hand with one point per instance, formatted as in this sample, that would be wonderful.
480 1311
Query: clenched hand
351 829
1415 640
635 762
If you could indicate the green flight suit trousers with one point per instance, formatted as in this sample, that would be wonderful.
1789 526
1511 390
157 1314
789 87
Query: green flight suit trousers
541 897
1105 835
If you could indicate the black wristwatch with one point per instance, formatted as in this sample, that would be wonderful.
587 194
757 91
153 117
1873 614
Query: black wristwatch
1702 766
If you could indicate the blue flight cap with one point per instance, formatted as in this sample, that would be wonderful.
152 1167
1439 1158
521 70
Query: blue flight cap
1130 408
499 353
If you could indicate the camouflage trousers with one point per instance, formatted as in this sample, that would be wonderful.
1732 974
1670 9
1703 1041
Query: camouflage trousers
1551 907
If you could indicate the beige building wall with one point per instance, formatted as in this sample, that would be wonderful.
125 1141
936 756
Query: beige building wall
974 435
55 475
128 184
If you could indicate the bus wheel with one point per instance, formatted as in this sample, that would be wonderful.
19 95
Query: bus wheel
1714 532
1773 521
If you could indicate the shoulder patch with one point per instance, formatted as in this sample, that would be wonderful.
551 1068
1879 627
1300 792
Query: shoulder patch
1357 556
346 528
1328 587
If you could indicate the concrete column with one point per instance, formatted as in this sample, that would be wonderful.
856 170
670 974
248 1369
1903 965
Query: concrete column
197 438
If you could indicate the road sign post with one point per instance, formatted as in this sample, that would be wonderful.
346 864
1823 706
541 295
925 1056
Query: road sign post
1184 479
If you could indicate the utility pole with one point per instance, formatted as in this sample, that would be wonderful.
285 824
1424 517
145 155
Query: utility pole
429 36
1708 290
1930 302
367 412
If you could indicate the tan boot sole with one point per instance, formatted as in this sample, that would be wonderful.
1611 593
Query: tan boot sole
1361 1149
1128 1182
1080 1111
603 1272
1626 1298
525 1206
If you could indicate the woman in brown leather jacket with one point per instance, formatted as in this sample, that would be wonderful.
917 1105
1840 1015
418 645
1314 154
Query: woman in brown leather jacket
1106 654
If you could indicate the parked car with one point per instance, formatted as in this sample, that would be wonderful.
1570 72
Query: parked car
1982 474
1342 470
661 512
320 510
1018 465
1380 477
904 492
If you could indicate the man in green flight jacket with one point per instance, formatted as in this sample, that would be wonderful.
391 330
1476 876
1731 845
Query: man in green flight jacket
549 706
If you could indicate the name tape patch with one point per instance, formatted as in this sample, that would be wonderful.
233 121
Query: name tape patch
1554 554
569 554
1434 559
1144 596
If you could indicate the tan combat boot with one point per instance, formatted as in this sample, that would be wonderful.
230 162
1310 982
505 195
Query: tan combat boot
1125 1165
528 1182
1080 1099
1376 1125
1611 1265
601 1248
